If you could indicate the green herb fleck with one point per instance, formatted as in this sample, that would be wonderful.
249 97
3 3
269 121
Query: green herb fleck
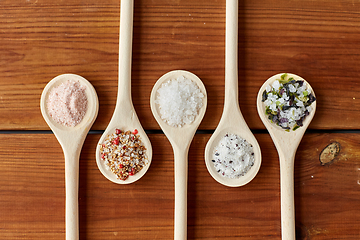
295 127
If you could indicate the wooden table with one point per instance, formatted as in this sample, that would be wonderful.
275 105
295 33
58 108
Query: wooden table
318 40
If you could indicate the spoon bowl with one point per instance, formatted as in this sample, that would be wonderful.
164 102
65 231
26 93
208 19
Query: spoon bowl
178 135
286 143
180 139
234 125
232 120
131 124
124 116
71 140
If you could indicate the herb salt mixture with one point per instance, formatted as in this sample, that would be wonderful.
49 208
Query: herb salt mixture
67 103
179 101
287 102
123 153
233 156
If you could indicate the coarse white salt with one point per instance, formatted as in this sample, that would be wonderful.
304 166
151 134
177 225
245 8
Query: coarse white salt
67 103
233 156
179 101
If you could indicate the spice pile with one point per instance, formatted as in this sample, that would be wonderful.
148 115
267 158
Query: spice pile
123 153
233 156
287 102
179 101
67 103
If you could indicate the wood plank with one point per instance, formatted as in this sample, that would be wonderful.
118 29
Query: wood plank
318 40
32 193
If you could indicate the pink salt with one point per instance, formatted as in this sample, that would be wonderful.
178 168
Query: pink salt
67 103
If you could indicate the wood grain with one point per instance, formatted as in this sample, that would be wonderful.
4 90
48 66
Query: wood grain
32 193
318 40
40 39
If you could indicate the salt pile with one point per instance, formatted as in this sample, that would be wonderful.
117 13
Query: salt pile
233 156
67 103
179 101
287 102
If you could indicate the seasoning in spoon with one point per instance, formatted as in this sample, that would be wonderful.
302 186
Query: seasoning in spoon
123 153
233 156
179 101
67 103
287 102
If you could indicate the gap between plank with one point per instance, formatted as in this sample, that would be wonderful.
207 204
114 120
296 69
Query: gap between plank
206 131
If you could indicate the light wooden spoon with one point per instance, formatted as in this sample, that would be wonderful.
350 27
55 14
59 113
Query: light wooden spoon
180 139
124 116
71 140
286 144
232 120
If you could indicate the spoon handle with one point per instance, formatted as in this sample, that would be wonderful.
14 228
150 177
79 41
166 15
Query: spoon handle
287 197
181 181
72 191
125 52
231 53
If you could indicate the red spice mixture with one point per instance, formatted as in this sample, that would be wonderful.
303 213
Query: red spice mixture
123 153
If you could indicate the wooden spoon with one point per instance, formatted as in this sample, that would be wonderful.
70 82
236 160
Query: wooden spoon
232 120
71 140
124 116
286 144
180 139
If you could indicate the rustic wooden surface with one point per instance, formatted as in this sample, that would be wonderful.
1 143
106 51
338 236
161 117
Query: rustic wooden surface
32 193
318 40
